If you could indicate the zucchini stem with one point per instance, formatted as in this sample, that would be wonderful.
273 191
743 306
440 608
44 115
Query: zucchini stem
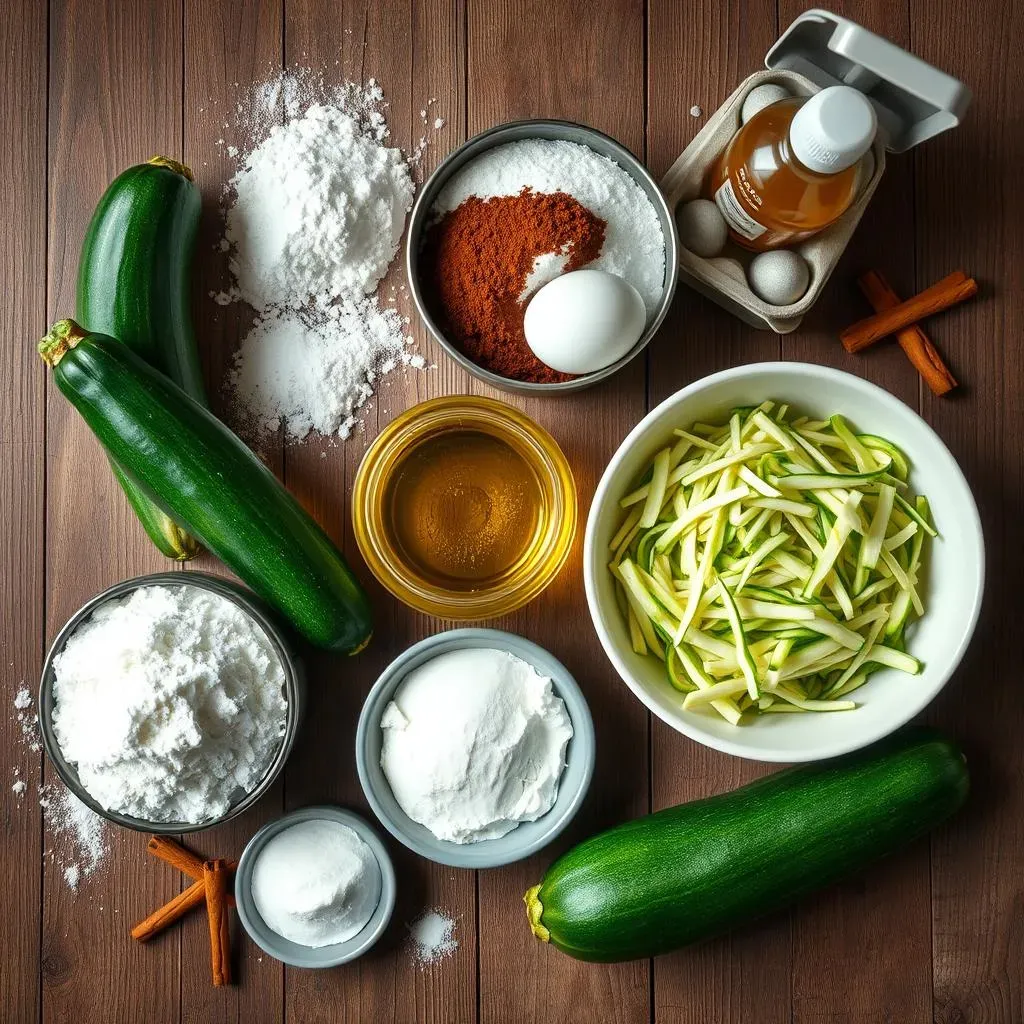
172 165
63 336
534 909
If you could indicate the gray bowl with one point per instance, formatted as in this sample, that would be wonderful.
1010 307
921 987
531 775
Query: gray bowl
294 692
516 131
291 952
529 836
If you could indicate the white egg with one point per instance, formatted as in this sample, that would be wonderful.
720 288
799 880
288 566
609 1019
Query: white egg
702 228
779 276
763 96
584 321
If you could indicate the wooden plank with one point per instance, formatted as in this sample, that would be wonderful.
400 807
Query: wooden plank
115 99
228 48
843 967
698 54
415 52
969 209
22 462
533 59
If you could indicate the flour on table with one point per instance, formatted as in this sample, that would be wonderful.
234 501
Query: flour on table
314 219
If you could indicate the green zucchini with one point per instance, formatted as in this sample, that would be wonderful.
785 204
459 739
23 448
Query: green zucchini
202 475
133 286
693 871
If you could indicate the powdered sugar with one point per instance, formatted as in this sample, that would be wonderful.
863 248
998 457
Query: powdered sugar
634 247
169 703
314 373
318 210
432 938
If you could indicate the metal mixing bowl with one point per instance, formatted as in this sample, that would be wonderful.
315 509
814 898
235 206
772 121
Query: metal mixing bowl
294 694
516 131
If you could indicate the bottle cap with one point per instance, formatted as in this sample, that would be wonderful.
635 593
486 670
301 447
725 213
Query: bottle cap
833 129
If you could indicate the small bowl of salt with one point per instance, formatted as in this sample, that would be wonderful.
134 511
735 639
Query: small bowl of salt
315 888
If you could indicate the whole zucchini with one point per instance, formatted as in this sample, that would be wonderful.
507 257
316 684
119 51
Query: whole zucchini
202 475
689 872
133 285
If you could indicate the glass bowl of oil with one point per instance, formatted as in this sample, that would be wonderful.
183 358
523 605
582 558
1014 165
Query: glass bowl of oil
464 508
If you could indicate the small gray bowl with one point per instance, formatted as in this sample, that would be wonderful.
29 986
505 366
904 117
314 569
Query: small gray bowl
515 131
528 837
292 953
294 693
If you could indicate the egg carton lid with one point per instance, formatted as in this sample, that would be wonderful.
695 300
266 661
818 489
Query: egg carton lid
914 101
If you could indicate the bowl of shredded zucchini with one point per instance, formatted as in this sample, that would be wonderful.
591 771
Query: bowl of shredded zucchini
784 562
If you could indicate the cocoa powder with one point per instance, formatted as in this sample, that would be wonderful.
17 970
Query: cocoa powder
477 259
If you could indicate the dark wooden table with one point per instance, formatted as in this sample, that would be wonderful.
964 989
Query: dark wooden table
88 87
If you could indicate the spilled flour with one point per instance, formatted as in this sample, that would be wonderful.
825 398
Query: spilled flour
432 938
316 213
81 833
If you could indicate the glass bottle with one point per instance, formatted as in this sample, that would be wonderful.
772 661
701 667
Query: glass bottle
792 169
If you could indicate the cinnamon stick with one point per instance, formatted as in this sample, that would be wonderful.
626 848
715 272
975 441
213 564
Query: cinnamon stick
170 912
915 343
948 292
187 862
174 853
215 877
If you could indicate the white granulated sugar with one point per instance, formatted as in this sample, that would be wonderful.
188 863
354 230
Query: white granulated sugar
318 209
169 703
438 123
634 247
72 875
23 698
19 787
432 938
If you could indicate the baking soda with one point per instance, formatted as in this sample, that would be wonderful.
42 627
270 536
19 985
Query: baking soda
433 938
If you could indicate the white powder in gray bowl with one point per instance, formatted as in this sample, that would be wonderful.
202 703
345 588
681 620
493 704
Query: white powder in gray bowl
169 702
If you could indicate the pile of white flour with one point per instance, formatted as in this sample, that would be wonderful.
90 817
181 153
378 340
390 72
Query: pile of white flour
317 214
169 703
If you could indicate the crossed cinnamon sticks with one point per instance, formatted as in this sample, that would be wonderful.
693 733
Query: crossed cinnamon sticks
900 318
212 885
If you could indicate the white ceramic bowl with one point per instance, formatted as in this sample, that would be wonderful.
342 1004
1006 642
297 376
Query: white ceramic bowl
954 573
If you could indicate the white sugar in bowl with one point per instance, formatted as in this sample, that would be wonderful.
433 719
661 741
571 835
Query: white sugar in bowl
584 320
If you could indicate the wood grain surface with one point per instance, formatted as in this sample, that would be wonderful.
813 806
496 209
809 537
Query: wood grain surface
88 87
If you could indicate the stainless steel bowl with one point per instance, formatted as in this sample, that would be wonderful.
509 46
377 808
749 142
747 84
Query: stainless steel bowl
516 131
294 693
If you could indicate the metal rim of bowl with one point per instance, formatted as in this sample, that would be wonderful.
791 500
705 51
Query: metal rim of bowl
511 131
583 737
365 938
294 683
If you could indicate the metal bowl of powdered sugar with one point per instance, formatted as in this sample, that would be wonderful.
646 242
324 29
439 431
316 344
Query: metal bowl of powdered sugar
169 703
485 738
598 171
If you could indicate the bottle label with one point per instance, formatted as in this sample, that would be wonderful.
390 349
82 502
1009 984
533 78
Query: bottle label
735 216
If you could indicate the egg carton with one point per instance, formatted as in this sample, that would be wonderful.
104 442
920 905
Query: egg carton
913 100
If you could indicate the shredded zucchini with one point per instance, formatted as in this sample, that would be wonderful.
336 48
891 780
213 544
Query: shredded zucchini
775 568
